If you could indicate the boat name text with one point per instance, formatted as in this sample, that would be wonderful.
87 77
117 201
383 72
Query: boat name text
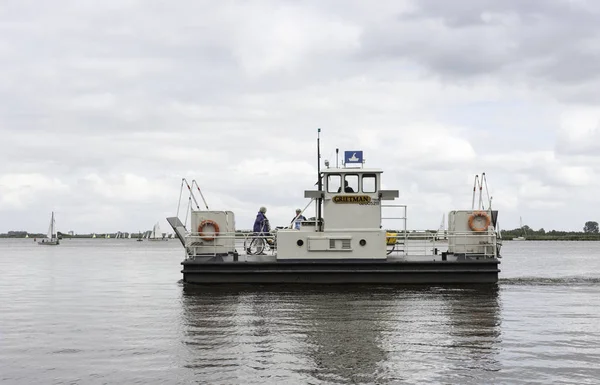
360 199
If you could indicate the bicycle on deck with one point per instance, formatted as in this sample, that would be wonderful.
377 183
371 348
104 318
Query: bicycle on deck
257 244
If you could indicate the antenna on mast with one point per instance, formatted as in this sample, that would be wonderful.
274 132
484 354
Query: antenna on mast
475 184
320 182
337 151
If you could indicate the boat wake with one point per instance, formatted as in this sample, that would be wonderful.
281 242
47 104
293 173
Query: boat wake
550 281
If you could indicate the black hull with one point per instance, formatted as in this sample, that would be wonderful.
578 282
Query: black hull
425 272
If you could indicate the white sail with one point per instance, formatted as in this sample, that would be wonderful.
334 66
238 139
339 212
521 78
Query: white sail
52 235
51 227
522 237
156 233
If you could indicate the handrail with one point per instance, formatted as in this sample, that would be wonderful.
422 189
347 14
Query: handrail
403 218
424 242
406 243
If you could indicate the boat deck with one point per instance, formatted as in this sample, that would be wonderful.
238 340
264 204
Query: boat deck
272 258
396 270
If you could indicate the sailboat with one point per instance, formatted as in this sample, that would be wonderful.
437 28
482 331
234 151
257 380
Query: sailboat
140 239
441 236
156 234
52 236
521 238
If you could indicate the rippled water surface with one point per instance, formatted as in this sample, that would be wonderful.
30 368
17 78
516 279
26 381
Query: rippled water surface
115 311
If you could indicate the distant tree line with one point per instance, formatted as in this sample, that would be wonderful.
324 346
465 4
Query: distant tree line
590 232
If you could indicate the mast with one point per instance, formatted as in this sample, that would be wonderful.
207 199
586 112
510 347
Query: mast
474 192
320 182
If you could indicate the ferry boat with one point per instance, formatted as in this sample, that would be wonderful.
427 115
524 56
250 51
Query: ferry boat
344 243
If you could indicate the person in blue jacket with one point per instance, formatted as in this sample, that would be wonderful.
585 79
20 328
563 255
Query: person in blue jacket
262 228
261 223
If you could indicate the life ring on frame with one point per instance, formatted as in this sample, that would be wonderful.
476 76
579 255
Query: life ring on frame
203 224
479 214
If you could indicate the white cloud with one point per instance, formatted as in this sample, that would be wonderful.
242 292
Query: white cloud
580 131
104 111
284 37
21 190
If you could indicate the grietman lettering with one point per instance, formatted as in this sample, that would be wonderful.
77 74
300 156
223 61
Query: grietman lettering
351 199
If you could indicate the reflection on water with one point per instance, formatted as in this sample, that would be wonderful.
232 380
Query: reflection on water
340 334
100 311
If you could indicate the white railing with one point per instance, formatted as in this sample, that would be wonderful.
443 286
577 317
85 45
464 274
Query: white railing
228 242
402 219
402 243
431 243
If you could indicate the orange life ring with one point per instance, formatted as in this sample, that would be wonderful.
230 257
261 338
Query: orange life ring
479 214
211 223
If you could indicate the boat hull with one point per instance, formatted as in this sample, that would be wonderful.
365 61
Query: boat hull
52 243
368 272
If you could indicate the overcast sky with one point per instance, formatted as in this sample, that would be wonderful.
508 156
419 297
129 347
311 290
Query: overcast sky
106 105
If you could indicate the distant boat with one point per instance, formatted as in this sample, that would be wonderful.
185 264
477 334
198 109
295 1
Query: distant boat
52 236
94 236
139 237
26 235
156 234
521 238
441 236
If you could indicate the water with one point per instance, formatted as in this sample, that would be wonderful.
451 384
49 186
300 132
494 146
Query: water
115 311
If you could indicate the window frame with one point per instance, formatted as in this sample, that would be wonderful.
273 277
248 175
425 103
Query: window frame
340 180
369 175
357 189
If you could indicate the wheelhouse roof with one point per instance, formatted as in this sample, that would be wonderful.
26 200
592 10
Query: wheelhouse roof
351 170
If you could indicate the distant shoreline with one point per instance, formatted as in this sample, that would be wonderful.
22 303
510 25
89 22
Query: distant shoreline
596 237
564 236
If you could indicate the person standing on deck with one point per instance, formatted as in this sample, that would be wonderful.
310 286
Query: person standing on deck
262 227
298 219
261 223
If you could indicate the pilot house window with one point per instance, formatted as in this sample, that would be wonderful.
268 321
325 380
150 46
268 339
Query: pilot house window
334 181
351 183
369 183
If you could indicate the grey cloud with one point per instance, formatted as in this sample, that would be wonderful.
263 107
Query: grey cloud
95 92
533 42
585 144
464 13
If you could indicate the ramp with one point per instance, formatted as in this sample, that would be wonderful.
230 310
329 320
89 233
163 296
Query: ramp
178 227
